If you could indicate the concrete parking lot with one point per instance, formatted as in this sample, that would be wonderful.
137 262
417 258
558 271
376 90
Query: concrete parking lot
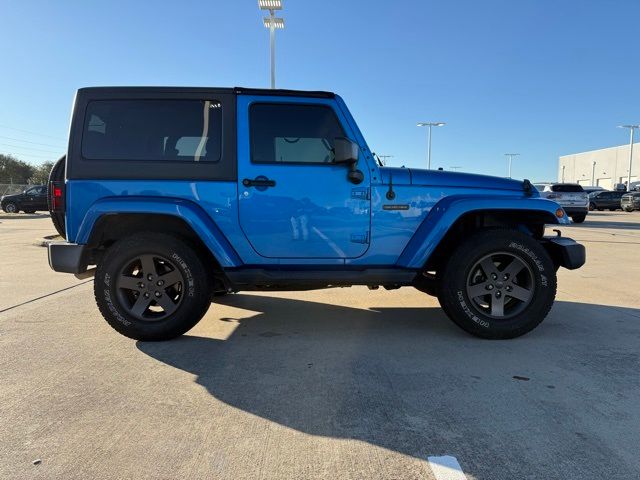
342 383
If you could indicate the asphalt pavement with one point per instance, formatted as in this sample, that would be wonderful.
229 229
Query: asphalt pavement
343 383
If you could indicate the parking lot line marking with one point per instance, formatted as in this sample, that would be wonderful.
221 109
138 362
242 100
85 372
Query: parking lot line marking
446 468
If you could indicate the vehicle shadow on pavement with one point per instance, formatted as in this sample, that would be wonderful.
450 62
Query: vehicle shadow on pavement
408 380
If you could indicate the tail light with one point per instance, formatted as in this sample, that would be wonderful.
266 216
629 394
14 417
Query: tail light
56 194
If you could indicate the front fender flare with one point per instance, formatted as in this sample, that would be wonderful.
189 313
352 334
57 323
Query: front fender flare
192 214
448 210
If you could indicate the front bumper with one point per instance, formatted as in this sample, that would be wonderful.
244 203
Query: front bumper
565 252
68 257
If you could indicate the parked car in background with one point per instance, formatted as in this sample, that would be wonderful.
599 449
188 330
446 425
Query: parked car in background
569 196
590 189
630 201
605 200
29 201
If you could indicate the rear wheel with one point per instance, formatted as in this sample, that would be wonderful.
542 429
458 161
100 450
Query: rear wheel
11 207
578 218
152 287
592 207
498 284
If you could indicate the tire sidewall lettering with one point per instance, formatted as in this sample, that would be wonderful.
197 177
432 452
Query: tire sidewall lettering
465 308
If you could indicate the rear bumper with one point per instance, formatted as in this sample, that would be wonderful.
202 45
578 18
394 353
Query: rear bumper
574 210
565 252
67 257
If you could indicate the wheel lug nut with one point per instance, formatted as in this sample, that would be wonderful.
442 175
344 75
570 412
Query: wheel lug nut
141 285
494 276
498 294
146 294
149 277
160 283
157 294
489 287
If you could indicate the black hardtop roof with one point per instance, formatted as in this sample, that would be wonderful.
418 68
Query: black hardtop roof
236 90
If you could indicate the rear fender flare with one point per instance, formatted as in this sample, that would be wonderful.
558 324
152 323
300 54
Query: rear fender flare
194 216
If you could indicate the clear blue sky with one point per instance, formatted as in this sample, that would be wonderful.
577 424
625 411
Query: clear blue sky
538 77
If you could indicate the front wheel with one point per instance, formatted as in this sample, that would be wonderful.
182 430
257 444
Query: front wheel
578 218
498 284
152 287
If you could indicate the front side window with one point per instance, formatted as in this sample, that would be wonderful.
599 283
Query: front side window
286 133
156 130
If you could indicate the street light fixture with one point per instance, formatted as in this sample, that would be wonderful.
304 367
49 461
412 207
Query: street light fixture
511 155
272 23
632 128
429 125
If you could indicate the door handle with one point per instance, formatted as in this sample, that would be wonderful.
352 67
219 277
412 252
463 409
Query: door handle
260 181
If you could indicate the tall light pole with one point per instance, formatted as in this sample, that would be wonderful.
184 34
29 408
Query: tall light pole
272 23
511 155
632 128
429 124
593 174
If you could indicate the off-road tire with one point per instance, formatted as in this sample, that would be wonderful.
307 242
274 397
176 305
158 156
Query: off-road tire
196 293
578 218
463 311
57 174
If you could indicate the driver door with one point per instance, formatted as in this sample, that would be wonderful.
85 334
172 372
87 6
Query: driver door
294 202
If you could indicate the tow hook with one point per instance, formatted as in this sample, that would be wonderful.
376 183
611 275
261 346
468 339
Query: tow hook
558 232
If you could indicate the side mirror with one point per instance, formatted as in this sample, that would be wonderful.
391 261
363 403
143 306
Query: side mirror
346 151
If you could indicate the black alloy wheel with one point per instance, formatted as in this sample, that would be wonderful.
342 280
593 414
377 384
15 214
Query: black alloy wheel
500 285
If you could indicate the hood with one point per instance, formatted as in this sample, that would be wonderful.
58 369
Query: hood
440 178
12 195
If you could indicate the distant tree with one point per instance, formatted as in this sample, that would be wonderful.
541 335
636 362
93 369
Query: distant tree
13 170
40 174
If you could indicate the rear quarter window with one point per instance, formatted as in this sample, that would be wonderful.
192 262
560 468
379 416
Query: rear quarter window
153 130
567 188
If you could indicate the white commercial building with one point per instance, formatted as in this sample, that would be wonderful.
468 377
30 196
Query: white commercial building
603 168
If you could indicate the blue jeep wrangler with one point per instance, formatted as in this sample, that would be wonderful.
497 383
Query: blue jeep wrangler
170 196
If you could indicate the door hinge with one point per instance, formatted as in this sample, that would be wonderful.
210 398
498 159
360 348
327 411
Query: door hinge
360 237
361 193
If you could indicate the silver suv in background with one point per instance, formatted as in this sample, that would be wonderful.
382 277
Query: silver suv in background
570 196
